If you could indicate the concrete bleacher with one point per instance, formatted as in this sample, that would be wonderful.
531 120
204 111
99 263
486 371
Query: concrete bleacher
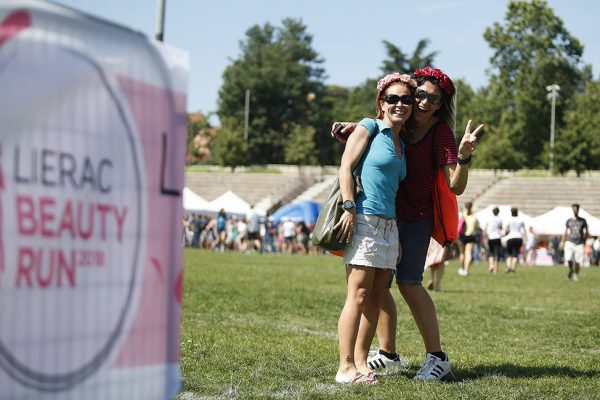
532 195
254 188
479 182
537 195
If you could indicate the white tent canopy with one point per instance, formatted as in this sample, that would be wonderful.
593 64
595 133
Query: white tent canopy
193 202
231 203
228 201
553 222
483 216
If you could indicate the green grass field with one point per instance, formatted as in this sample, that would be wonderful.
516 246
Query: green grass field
265 327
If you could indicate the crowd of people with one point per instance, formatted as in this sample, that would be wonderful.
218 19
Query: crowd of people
512 243
250 233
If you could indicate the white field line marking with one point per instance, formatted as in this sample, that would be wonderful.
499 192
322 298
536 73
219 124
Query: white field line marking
282 327
540 309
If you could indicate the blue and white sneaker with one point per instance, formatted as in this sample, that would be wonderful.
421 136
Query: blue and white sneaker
433 369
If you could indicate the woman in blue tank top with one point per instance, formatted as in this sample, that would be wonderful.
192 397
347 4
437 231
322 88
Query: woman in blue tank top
375 152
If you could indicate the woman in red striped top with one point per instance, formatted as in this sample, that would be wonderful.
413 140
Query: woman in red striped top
430 144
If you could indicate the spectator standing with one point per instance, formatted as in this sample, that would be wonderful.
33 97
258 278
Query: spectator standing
436 263
302 233
253 230
221 231
556 250
573 240
468 239
186 231
531 248
204 231
595 251
515 233
288 231
241 229
493 232
269 238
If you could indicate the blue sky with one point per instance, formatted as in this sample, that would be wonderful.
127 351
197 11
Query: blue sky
348 34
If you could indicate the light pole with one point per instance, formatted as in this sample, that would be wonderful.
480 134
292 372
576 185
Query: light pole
246 115
160 20
552 95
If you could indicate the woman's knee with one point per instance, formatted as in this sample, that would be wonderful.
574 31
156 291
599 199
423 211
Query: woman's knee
360 296
407 290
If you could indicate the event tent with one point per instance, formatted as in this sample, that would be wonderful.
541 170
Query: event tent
193 202
231 203
553 222
483 216
306 211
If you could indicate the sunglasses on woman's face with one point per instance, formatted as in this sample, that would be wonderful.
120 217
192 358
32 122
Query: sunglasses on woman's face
394 99
433 98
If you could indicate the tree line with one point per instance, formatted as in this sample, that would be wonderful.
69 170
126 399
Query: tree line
291 107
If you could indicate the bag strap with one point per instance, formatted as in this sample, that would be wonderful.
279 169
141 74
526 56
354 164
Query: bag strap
366 150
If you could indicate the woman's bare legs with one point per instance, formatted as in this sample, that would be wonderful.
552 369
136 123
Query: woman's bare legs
370 317
360 283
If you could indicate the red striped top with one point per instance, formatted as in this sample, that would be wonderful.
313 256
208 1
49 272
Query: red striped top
414 199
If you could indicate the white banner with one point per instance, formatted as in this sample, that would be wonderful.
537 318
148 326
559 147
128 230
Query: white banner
92 143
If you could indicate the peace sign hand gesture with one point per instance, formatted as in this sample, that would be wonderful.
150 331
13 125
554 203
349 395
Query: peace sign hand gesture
469 141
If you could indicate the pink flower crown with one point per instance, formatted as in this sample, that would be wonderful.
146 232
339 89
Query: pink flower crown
443 80
395 77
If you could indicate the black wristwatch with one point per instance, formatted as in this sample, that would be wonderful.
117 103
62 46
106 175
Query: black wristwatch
463 161
348 205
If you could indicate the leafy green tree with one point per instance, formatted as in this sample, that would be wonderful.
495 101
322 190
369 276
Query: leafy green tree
301 146
496 151
285 78
400 62
578 143
229 146
532 50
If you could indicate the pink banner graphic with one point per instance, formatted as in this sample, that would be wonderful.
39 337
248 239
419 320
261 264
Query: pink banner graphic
91 171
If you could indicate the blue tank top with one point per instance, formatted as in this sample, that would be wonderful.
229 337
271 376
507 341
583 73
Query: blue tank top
220 222
380 171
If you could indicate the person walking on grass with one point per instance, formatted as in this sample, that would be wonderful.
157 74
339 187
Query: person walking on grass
493 232
516 235
253 238
531 248
430 144
436 264
573 241
467 239
368 226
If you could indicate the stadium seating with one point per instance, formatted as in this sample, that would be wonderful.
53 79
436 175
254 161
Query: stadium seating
532 195
537 195
252 187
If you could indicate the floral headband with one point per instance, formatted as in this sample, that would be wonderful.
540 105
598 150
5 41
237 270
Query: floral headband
443 80
395 77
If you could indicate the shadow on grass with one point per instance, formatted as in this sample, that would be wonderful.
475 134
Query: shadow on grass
519 371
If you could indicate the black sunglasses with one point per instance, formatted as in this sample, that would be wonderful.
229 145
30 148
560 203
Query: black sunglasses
433 98
394 99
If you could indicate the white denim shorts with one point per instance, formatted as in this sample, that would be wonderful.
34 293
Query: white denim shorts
374 243
574 252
